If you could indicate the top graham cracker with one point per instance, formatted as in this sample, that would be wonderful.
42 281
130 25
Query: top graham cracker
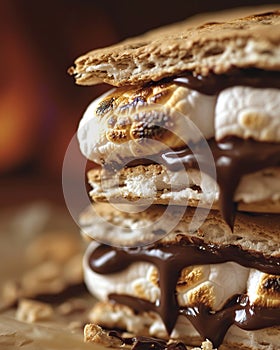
213 47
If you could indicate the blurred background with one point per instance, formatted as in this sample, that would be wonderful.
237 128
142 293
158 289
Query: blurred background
40 105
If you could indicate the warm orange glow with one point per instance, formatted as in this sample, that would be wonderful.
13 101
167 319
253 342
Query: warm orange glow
39 103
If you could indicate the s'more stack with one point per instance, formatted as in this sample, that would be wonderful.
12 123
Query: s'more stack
185 223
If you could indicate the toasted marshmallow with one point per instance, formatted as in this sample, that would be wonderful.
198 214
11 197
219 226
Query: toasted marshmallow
264 289
217 286
131 281
248 112
119 124
210 285
122 123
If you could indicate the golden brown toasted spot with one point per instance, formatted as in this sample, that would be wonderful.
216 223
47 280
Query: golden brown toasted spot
254 120
268 291
105 106
127 98
136 113
117 136
202 295
190 276
154 277
271 285
151 124
140 291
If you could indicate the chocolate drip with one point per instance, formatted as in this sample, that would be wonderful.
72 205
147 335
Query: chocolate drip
233 159
147 343
170 260
239 312
212 84
213 326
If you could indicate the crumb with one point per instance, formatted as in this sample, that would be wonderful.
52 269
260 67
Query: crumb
206 345
31 311
95 334
46 278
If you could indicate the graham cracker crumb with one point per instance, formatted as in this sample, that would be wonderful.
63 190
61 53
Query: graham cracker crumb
206 345
95 334
31 311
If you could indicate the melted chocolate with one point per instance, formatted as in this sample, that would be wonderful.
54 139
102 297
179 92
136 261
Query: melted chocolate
170 260
212 84
233 159
147 343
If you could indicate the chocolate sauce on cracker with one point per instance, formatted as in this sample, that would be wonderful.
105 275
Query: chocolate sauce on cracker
212 84
170 259
234 158
147 343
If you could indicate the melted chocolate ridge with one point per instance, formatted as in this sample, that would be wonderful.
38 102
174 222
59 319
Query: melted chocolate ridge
213 325
147 343
212 84
170 259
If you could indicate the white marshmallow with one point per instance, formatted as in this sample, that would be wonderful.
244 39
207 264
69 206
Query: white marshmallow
236 111
191 117
263 289
248 112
